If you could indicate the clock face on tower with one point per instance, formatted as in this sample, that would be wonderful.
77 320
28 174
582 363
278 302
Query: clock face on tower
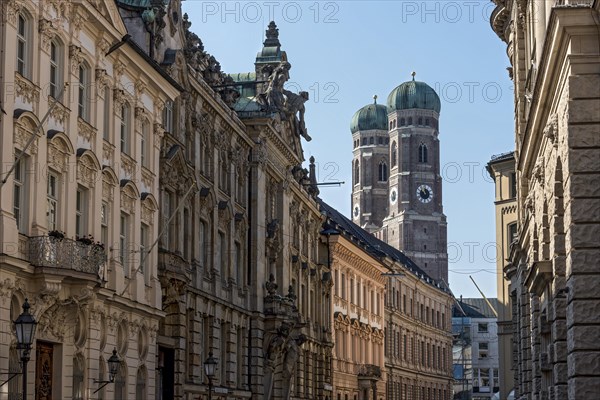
356 212
424 193
393 196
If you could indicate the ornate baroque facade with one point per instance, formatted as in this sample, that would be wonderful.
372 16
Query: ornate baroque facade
417 340
553 47
79 210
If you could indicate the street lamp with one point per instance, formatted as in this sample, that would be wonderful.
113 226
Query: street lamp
113 369
25 330
210 365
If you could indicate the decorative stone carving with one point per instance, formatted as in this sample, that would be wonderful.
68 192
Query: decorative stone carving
86 171
128 166
79 16
10 10
101 80
119 98
159 132
47 33
86 131
60 113
119 68
57 158
27 89
76 57
128 200
551 129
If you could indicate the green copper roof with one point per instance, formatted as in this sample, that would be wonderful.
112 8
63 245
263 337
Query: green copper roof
413 94
271 51
372 116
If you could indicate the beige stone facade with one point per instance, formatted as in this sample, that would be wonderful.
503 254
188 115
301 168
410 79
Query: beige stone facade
80 208
502 170
414 331
553 48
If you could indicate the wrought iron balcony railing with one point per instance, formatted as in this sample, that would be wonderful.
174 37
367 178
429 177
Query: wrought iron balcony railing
53 252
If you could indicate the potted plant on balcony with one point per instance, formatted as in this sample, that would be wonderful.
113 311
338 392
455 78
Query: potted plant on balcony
56 234
85 239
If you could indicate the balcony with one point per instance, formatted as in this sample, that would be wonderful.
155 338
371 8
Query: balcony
62 253
369 371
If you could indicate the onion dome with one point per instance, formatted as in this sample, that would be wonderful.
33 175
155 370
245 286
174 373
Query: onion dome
413 94
372 116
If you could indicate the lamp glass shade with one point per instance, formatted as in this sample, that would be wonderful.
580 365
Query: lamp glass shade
210 365
25 327
113 365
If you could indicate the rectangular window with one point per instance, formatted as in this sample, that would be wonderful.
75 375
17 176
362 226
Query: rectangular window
19 195
483 350
187 235
168 117
81 212
125 129
203 244
343 294
144 243
351 290
104 224
22 46
107 113
52 200
123 242
482 327
237 259
54 69
82 108
513 185
144 145
512 232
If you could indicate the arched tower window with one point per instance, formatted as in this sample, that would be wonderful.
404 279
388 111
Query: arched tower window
402 122
422 153
394 154
383 172
420 121
356 172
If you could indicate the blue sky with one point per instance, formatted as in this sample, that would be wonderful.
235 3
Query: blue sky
344 52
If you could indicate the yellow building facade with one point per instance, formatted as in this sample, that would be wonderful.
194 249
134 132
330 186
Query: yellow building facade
78 199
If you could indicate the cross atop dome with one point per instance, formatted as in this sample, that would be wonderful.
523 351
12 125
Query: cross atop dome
413 75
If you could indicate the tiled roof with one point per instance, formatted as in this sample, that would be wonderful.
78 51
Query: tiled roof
370 244
476 308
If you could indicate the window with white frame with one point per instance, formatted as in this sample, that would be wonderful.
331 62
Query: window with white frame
83 109
168 117
81 211
483 349
107 113
144 157
56 68
20 194
23 45
125 127
52 195
144 242
104 218
482 327
123 242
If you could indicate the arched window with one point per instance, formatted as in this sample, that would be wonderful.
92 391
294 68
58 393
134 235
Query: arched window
140 384
426 121
56 68
24 44
83 109
391 125
383 172
420 121
410 121
125 127
422 153
356 172
394 155
121 382
78 378
371 140
364 141
402 122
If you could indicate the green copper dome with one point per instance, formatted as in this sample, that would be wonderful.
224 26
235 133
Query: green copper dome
372 116
414 94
